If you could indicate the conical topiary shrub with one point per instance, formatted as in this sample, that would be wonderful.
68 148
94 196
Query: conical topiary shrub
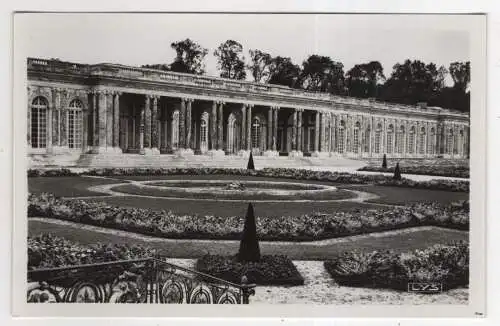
249 246
384 162
250 165
397 172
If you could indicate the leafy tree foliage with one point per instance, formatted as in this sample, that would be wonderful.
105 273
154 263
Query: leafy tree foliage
230 60
413 82
322 74
364 80
460 73
260 63
283 71
158 66
189 58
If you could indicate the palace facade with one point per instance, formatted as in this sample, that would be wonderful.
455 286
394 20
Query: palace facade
110 108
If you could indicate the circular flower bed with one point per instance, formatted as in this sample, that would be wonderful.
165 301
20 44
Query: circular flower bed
232 190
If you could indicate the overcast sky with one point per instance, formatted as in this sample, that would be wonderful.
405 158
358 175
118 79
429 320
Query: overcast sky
136 39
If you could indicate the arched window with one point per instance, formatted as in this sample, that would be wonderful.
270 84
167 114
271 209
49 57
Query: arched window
366 141
400 135
175 129
432 141
378 135
449 142
411 140
255 132
75 124
390 139
204 132
355 142
421 142
341 137
39 109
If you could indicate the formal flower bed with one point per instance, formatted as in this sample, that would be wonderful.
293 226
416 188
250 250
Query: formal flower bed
47 251
300 228
270 270
444 264
298 174
437 167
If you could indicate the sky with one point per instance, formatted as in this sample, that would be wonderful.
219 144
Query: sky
136 39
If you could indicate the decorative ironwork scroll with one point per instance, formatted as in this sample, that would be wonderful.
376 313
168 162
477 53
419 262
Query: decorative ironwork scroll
150 280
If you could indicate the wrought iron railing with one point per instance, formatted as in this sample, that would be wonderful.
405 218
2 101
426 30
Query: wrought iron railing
149 280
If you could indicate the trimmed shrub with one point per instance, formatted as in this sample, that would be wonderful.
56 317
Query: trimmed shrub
445 264
250 165
269 270
397 173
249 245
384 162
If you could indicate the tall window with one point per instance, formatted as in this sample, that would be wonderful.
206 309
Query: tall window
255 133
432 141
378 134
39 123
421 142
203 130
400 140
356 138
75 124
175 130
449 142
341 137
390 139
366 141
411 140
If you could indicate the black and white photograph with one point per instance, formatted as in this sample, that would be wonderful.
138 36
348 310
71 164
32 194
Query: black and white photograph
256 159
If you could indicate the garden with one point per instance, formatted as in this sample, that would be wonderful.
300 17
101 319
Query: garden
296 208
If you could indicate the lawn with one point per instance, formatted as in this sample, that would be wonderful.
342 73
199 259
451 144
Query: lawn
67 186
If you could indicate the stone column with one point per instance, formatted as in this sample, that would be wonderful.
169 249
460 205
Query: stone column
49 128
116 123
188 124
294 130
109 121
243 128
322 132
299 131
95 120
102 120
249 127
316 134
269 129
275 129
141 132
147 124
330 132
220 127
56 120
182 124
213 127
154 126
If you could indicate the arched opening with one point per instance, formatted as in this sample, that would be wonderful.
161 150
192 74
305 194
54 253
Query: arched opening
421 142
400 135
449 142
355 142
233 134
378 136
390 139
75 124
432 141
411 140
341 137
175 130
366 141
38 122
204 132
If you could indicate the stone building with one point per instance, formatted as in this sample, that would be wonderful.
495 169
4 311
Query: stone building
110 108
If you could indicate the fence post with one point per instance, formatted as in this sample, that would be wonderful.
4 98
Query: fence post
246 289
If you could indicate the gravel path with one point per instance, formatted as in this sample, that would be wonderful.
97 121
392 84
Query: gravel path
320 288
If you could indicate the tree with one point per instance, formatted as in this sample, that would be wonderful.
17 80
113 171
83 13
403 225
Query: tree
230 60
460 73
384 162
322 74
397 172
413 82
260 65
249 245
189 58
282 71
158 66
364 80
250 165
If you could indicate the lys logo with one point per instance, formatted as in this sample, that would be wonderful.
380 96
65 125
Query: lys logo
425 287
